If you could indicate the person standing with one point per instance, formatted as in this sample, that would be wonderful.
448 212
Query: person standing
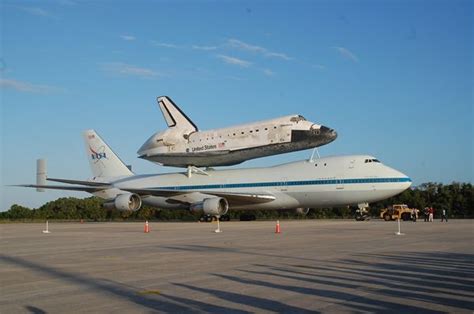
444 215
426 213
431 212
413 214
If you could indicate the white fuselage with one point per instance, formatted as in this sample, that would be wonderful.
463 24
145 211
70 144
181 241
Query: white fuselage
324 182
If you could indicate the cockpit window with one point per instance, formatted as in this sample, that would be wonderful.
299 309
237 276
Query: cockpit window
297 118
372 160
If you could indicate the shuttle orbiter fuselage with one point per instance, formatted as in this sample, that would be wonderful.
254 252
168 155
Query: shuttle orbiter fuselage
183 145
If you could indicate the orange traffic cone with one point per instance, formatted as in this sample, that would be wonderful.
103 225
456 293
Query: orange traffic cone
147 227
277 230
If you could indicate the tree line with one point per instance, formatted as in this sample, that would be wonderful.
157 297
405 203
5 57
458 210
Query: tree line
456 198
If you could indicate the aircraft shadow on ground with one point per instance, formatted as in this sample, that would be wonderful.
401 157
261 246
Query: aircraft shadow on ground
257 302
211 249
115 289
402 282
444 279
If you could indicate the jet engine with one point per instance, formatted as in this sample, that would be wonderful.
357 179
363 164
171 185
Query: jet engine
215 206
125 202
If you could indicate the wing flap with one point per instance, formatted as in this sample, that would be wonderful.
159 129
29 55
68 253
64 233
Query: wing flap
244 198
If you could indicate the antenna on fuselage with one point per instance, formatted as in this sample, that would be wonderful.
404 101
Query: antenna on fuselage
315 151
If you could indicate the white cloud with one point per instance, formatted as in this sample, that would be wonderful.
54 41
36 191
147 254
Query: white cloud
26 87
346 53
235 43
165 45
244 46
234 61
127 37
206 48
278 55
36 11
124 69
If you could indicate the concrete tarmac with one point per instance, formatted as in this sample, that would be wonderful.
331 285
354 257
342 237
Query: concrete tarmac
327 266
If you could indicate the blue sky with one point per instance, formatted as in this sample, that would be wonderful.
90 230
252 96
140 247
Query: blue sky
394 78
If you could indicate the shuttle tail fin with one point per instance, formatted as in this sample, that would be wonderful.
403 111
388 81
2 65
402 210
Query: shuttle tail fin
103 161
174 117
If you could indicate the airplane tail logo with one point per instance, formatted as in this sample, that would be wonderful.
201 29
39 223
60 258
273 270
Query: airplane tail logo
102 160
97 156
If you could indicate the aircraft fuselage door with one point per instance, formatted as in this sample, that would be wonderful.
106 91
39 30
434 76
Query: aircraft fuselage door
352 164
284 184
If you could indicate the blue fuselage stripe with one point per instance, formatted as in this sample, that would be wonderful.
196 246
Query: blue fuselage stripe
284 183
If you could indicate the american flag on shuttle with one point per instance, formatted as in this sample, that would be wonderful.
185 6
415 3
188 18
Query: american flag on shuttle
221 145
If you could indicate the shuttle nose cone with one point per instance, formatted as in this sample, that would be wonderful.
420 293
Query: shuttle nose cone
329 133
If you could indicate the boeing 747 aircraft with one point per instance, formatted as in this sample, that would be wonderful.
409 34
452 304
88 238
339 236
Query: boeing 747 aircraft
183 145
324 182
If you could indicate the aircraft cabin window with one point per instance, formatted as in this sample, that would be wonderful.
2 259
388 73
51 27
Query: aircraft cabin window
251 131
242 132
257 130
274 127
376 160
266 129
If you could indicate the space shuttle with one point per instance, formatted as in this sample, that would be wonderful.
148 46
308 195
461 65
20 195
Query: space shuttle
182 144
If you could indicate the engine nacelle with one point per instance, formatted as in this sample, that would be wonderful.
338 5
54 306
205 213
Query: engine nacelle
125 202
215 206
302 211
